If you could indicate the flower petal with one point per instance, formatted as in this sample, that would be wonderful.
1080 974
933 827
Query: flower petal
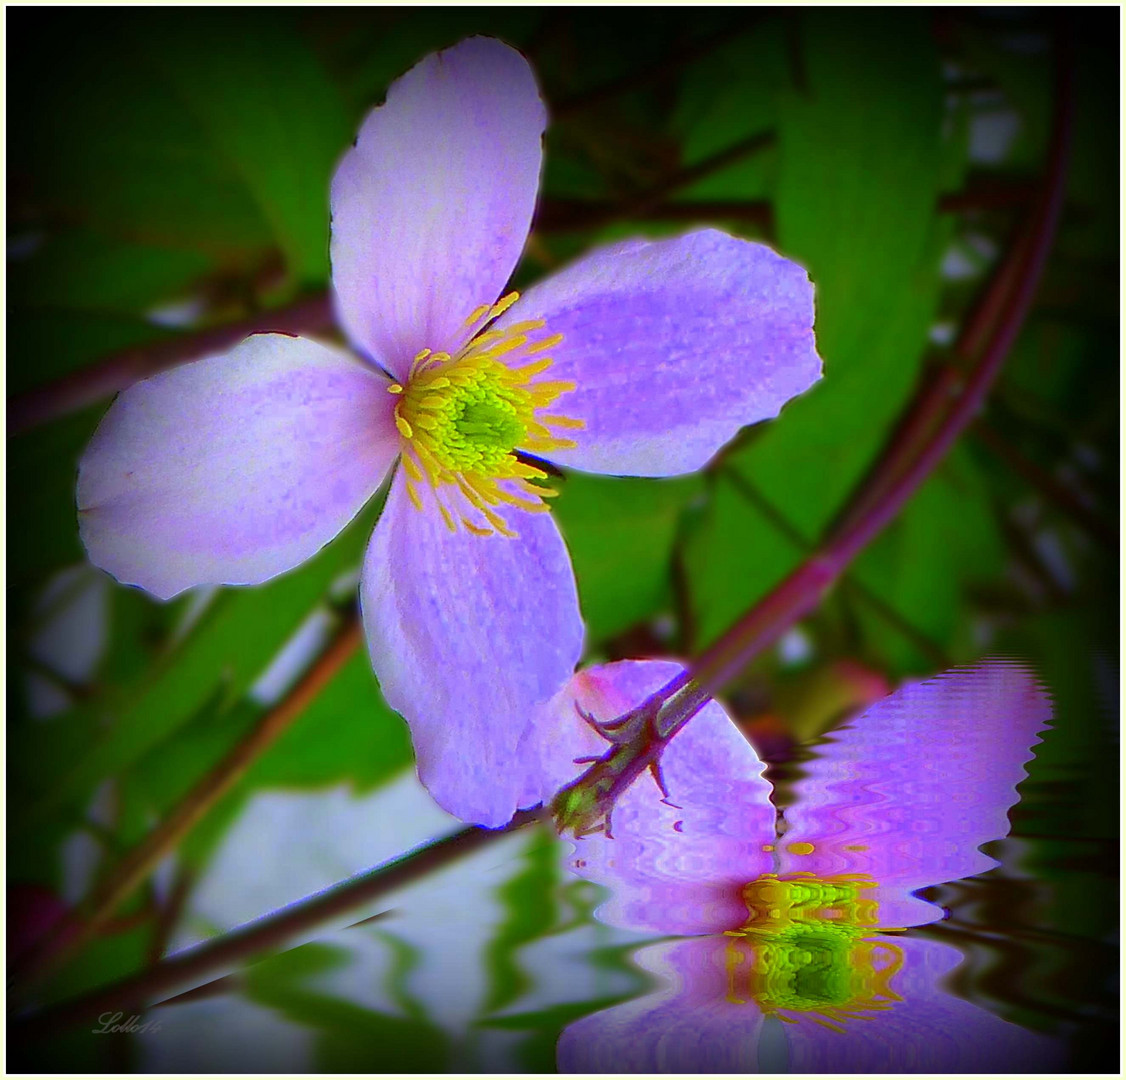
468 634
678 866
700 1020
908 791
673 346
236 468
687 1025
926 1030
431 208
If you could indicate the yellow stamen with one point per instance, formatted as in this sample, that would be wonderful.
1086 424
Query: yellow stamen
807 950
503 304
465 415
476 530
547 343
528 370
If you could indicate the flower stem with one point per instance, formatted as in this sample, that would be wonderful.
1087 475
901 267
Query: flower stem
135 867
313 314
930 427
271 933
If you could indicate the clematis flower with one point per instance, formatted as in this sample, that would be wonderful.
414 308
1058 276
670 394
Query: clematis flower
640 359
795 928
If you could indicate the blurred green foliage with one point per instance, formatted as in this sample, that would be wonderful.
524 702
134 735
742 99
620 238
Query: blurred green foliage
175 176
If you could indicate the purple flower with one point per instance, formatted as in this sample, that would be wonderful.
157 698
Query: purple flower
788 925
640 359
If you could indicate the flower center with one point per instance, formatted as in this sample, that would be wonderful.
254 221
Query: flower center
462 417
806 952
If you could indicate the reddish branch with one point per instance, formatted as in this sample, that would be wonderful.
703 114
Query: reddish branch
91 384
923 440
314 314
135 867
263 936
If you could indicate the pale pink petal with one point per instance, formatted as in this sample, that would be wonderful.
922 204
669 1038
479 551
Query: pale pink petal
702 1018
468 635
688 1024
908 791
673 346
236 468
431 208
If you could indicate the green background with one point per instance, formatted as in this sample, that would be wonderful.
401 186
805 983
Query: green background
178 161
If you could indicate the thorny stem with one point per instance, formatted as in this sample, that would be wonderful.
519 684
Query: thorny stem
268 934
642 734
135 867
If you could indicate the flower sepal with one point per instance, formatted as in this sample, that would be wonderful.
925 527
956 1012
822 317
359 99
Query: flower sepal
585 805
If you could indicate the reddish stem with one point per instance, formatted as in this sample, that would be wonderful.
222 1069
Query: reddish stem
313 314
895 477
268 934
91 384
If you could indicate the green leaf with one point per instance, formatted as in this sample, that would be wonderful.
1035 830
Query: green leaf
725 100
945 540
733 555
237 636
858 182
530 913
350 1038
106 139
347 733
83 271
859 173
259 93
620 533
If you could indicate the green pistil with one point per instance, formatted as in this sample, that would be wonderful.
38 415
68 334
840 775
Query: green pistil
490 424
478 427
807 968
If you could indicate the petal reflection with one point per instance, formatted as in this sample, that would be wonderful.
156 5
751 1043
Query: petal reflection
908 791
676 864
876 1007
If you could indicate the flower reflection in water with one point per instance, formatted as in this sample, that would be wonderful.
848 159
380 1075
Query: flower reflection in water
803 952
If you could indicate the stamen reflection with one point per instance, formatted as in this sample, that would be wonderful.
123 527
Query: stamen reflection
900 798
